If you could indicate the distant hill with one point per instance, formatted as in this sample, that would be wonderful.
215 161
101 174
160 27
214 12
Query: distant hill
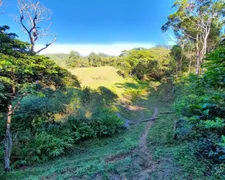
59 58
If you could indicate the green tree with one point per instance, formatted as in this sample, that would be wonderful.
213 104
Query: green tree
197 21
215 65
94 59
74 55
179 56
22 74
74 59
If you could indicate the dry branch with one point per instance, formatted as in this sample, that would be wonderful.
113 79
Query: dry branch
151 119
32 17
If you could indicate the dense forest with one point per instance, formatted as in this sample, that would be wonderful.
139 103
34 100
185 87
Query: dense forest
49 111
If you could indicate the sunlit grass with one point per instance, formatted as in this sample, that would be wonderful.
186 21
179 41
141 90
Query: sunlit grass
107 76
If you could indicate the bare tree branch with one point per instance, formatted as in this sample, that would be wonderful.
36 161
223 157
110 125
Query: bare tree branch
33 18
47 45
22 23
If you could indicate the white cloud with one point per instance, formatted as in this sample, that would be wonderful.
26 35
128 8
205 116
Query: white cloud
86 49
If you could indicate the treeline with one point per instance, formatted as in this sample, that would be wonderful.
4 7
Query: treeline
144 64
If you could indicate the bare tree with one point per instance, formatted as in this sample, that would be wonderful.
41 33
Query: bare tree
35 20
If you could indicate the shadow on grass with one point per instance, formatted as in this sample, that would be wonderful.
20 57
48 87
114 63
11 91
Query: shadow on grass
135 86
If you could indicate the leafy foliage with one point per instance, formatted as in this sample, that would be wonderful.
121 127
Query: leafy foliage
202 106
39 136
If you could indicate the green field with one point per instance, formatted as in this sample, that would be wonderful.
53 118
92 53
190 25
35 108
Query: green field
98 76
107 76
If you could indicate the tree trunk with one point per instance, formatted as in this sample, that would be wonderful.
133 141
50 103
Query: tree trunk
198 65
189 66
177 68
198 56
8 140
181 64
32 45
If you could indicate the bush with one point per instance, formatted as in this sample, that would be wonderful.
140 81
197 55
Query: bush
84 131
106 123
39 136
39 148
1 153
102 123
123 74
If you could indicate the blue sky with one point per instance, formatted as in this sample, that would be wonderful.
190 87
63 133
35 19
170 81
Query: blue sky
100 25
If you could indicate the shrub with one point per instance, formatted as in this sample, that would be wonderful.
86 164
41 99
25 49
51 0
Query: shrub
84 131
123 74
202 106
1 153
203 111
102 123
44 146
41 146
106 123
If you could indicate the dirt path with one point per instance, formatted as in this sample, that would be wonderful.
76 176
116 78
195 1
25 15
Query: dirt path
147 165
143 139
143 164
142 147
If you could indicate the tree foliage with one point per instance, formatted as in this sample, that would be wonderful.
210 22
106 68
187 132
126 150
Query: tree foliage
199 22
22 74
202 106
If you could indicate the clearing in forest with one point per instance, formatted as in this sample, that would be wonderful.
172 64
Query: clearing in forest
106 76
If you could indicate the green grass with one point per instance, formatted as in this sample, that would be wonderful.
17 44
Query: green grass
58 58
87 163
106 76
176 157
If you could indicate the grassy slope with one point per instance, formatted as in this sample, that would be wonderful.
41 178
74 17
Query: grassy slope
87 163
87 159
95 77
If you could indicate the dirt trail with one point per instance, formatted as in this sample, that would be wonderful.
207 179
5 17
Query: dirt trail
146 162
143 139
141 157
